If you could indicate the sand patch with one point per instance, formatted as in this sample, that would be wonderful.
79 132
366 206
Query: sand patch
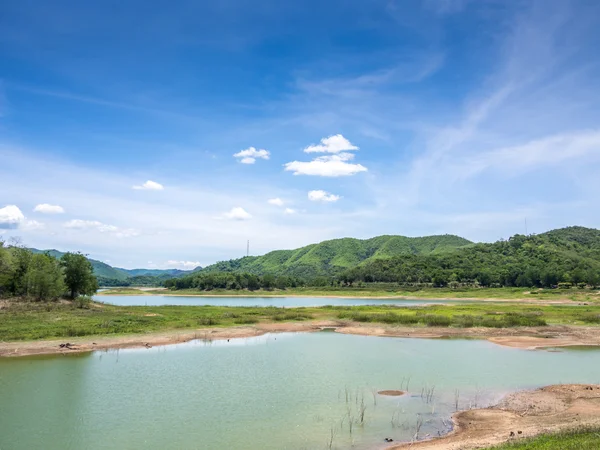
523 414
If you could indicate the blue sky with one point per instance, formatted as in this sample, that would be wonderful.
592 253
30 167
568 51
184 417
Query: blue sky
119 122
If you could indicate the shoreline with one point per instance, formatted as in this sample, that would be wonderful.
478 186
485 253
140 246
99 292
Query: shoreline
525 338
519 415
536 301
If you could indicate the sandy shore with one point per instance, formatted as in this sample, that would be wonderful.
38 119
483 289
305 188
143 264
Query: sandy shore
524 338
523 414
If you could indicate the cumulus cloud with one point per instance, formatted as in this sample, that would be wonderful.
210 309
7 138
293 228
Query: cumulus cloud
45 208
322 196
150 186
186 265
250 155
238 213
332 144
275 201
11 217
289 211
333 165
78 224
324 168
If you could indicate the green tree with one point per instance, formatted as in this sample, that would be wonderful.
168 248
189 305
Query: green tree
79 275
44 278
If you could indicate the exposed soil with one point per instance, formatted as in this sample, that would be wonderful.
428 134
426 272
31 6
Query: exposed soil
525 337
523 414
391 393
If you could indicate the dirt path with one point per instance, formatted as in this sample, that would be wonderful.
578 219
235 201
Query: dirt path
520 415
525 338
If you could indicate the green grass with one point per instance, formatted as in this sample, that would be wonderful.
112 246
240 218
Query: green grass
583 439
31 320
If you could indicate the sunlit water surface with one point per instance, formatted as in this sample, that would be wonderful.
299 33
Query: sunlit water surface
278 391
280 302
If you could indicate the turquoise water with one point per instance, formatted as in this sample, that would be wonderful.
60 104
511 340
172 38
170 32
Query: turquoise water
280 302
283 391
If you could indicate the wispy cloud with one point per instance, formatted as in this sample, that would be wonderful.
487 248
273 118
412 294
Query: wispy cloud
149 186
45 208
238 213
250 155
322 196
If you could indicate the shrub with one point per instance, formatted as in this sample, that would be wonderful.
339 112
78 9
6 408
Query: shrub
245 320
435 320
208 321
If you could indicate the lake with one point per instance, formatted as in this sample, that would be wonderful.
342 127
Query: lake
280 302
277 391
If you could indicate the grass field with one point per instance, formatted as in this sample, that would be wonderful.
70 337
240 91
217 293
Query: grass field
31 320
585 439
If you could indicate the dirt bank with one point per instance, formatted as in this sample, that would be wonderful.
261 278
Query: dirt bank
522 337
525 338
523 414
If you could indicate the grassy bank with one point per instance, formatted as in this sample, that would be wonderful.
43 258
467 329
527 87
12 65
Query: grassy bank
371 291
567 440
30 320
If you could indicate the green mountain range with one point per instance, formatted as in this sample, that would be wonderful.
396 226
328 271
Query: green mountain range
337 255
105 271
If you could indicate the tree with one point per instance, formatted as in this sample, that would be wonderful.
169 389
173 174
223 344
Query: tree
79 275
44 278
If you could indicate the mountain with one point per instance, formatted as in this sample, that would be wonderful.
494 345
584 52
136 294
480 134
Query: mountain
106 272
337 255
568 255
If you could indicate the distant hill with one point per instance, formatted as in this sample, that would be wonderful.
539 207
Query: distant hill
567 255
106 272
337 255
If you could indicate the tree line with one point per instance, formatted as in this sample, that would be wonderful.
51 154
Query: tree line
561 258
41 277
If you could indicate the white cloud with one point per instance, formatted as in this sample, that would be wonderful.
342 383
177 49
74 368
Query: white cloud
11 217
32 225
335 165
78 224
275 201
289 211
250 155
150 186
45 208
186 265
324 168
238 213
322 196
332 144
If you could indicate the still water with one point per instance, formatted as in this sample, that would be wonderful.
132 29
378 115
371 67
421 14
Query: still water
278 391
280 302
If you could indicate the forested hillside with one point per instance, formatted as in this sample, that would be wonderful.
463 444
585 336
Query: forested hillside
570 256
114 276
335 256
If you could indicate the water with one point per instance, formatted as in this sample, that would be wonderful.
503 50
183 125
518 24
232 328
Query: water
281 302
283 391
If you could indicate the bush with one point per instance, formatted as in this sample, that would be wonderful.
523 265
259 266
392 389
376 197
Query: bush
434 320
245 320
208 321
82 302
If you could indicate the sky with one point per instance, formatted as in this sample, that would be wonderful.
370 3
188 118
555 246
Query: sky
167 134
